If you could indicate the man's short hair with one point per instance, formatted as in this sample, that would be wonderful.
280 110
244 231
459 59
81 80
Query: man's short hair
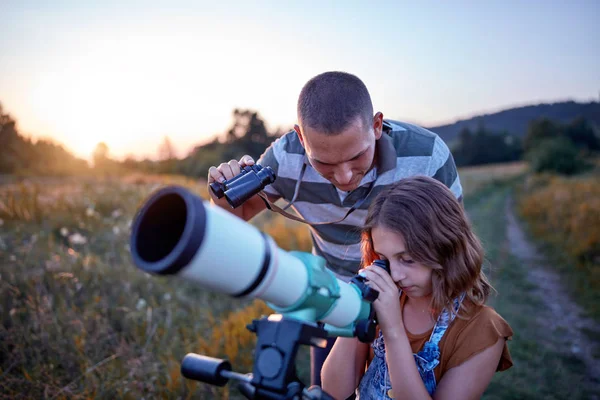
331 101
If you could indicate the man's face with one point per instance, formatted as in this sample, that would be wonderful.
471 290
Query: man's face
344 158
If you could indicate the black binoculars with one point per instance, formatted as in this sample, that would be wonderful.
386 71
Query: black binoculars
241 187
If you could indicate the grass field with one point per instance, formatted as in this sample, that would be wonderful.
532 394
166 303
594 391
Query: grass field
79 321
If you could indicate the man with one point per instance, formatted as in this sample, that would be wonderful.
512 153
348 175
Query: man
337 159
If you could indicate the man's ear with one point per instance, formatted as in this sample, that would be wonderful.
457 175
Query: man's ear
378 125
299 133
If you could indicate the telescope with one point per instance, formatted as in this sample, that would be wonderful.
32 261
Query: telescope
176 232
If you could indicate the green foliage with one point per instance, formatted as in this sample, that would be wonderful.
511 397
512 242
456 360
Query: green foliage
579 131
558 155
540 130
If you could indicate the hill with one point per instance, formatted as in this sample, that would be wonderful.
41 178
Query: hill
515 120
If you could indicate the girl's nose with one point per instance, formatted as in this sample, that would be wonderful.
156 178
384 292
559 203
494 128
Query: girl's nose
398 273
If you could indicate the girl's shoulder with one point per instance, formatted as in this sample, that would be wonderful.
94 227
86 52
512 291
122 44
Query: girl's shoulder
474 318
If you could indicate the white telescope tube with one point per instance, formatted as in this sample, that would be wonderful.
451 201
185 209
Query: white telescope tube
177 233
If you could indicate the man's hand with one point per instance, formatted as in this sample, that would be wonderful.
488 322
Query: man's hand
224 172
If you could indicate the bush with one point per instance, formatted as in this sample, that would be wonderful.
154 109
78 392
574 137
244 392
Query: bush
558 155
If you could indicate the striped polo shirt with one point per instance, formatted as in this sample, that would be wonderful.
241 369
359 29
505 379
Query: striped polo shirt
403 150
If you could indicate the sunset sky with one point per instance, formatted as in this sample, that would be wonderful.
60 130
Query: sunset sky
130 73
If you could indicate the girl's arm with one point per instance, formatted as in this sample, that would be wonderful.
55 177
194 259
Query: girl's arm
470 379
404 375
466 381
344 367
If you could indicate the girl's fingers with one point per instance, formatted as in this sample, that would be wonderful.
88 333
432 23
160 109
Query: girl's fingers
379 275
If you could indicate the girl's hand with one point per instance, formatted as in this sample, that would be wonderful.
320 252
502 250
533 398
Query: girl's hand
387 305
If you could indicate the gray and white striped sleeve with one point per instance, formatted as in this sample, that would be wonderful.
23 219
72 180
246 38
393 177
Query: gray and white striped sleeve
270 158
443 168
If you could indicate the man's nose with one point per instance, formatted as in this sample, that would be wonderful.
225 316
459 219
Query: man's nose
343 174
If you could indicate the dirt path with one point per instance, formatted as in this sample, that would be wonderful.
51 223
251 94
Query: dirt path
564 318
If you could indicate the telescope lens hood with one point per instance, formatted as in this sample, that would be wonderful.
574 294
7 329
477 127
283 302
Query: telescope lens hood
168 231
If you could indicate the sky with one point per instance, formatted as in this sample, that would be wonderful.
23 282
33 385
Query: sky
129 73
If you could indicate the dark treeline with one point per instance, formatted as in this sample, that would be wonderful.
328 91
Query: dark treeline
20 155
547 145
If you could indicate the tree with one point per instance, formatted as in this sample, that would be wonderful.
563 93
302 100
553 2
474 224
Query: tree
485 147
558 155
10 144
247 135
166 151
100 157
582 134
538 130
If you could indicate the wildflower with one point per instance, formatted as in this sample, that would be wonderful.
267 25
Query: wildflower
141 304
167 296
90 212
77 238
64 231
116 230
65 275
117 213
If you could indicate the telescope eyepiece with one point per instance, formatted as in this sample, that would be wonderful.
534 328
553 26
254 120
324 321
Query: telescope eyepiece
385 264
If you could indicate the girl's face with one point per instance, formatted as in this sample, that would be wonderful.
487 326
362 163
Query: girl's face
412 277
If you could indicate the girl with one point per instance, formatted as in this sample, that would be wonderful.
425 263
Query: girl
436 338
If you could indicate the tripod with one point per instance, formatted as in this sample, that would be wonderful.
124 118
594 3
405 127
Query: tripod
273 375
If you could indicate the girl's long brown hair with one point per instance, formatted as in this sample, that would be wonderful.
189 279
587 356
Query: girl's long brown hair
437 233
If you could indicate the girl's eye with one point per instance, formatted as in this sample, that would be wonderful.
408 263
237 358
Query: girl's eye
407 261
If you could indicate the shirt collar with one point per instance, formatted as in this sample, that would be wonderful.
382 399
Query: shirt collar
385 153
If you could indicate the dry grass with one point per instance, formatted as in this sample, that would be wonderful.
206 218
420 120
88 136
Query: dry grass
77 320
